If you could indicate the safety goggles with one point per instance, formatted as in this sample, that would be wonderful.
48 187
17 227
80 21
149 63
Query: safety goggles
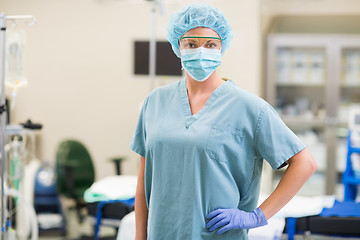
196 42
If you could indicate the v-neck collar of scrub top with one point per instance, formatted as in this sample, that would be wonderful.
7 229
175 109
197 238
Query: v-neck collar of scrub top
191 118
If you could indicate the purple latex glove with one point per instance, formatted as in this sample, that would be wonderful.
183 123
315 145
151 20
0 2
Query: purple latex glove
227 219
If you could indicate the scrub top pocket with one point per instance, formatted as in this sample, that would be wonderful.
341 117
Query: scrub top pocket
224 143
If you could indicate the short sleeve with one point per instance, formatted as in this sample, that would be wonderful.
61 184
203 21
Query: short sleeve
274 141
137 143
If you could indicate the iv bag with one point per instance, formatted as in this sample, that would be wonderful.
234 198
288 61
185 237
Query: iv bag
14 64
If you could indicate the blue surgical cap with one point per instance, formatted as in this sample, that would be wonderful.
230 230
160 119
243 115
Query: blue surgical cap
198 15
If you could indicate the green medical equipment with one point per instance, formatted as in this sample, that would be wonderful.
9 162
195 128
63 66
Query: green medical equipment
75 172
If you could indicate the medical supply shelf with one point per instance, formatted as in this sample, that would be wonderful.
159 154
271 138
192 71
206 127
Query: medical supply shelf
303 122
312 80
350 180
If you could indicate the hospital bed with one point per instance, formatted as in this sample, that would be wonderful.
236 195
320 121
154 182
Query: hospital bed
332 226
341 219
109 200
109 213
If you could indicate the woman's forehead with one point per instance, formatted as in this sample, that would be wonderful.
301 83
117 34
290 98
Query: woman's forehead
201 32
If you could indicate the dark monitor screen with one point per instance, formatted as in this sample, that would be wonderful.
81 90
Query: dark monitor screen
167 63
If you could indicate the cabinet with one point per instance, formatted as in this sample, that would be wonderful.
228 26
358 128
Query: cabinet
312 81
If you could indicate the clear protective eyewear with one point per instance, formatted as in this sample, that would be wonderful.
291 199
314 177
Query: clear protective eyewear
196 42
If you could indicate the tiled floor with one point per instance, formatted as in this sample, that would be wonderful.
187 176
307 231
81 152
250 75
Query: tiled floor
77 231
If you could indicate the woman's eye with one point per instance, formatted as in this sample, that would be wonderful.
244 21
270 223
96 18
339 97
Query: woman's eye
211 45
190 45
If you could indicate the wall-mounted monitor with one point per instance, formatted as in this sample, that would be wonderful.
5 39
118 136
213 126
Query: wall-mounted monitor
167 63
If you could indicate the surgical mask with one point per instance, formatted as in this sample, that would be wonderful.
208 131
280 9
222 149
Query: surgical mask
200 62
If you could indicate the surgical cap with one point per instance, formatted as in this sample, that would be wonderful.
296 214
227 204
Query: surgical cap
198 15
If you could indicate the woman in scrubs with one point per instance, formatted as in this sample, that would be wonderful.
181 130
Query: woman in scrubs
202 143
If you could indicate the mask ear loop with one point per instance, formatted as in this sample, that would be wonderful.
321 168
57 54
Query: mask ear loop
182 65
221 40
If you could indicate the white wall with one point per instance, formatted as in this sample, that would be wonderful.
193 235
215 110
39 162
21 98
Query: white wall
318 7
272 8
79 66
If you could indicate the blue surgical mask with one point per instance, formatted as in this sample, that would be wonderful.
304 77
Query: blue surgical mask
200 62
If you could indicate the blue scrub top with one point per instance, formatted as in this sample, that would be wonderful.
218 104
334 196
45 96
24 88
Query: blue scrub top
212 159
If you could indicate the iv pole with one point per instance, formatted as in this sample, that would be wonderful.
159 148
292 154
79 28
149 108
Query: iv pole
152 47
3 127
3 117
